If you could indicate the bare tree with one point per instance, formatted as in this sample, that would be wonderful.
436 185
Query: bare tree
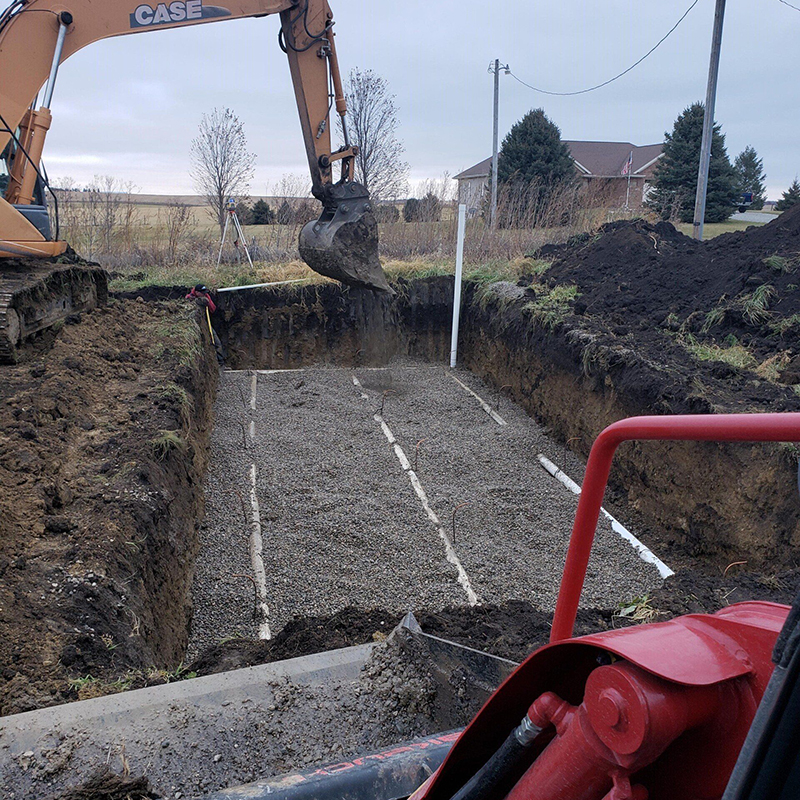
178 223
292 186
372 122
222 166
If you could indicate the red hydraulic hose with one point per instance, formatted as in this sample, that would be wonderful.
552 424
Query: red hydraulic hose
694 427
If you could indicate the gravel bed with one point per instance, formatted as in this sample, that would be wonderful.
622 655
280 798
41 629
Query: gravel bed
223 604
513 535
342 525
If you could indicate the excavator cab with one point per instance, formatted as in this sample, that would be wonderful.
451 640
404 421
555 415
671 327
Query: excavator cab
36 212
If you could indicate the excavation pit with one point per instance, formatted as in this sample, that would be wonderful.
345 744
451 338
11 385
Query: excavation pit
343 381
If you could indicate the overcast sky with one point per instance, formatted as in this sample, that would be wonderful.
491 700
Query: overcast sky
130 106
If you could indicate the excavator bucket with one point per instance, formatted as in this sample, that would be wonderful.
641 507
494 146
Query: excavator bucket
343 243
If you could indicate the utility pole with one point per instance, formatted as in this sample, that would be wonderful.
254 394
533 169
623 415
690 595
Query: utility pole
708 124
495 68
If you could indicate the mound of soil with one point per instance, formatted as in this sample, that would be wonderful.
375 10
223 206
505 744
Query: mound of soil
511 630
634 276
102 454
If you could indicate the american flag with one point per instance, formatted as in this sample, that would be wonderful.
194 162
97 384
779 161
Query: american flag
628 164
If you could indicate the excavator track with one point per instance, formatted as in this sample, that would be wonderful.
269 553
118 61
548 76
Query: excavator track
35 295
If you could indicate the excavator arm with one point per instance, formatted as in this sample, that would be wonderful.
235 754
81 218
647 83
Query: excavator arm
36 36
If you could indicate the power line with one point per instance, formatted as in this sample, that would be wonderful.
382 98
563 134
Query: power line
790 5
624 72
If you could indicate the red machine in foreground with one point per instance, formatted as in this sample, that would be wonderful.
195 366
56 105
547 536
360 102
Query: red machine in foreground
656 712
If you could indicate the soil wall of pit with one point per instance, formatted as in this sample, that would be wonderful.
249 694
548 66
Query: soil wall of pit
326 324
727 502
102 457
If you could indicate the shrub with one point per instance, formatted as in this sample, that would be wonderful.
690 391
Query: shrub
387 213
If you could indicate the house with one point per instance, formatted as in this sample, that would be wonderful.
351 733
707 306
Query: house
600 165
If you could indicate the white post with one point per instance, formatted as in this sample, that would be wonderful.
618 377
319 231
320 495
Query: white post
462 225
224 234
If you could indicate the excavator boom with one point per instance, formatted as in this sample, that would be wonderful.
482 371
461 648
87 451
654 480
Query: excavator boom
37 36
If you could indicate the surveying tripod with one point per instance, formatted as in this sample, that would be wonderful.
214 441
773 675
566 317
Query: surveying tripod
238 233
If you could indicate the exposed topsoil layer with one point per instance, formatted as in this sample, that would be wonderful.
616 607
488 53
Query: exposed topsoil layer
102 454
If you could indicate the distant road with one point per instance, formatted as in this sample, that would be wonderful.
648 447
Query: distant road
754 216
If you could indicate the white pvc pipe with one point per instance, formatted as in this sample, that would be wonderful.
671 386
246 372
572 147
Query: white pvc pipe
462 224
644 552
450 553
259 285
484 405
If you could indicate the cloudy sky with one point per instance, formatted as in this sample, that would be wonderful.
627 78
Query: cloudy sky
130 106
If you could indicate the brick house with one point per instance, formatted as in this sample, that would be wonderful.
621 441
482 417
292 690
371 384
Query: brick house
600 166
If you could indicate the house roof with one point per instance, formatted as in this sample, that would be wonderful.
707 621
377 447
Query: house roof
480 170
598 159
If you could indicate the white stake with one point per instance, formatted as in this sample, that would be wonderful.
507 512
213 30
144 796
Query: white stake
462 224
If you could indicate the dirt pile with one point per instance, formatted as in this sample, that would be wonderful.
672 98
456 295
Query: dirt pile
639 319
634 276
102 453
193 748
512 630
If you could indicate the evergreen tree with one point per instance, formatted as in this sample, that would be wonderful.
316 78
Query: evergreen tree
750 176
533 152
411 210
430 208
791 197
387 213
244 212
675 179
262 213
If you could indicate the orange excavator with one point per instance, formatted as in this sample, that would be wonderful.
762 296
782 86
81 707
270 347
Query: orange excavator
36 36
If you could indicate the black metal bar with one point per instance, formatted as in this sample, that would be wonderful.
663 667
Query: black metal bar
392 774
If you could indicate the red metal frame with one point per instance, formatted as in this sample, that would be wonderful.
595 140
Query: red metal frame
699 428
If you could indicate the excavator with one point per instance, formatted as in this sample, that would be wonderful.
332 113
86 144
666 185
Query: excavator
37 287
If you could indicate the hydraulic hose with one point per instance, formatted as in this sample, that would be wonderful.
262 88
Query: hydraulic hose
495 779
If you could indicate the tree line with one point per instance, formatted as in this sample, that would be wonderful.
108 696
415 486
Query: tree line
534 165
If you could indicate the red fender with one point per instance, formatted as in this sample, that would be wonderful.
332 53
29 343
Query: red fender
732 647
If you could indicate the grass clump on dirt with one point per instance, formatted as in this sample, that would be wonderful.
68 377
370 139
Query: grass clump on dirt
780 263
638 610
552 305
179 337
755 306
786 324
770 370
733 353
714 317
165 443
172 392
